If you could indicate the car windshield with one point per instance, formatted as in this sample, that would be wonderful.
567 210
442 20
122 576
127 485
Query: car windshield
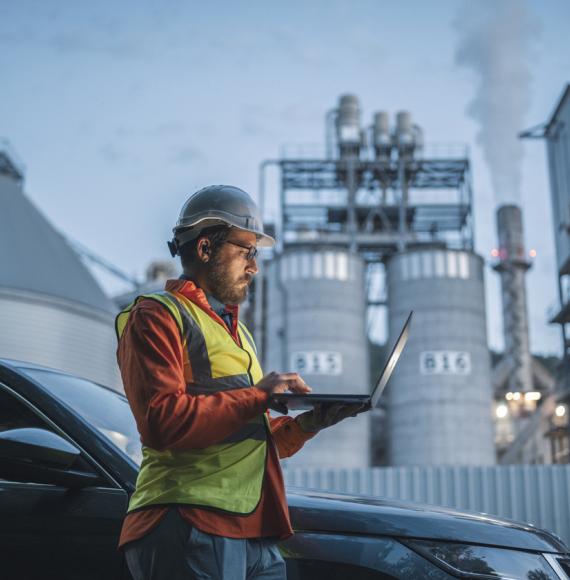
106 410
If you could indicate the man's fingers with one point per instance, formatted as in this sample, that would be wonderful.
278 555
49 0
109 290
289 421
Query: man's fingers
299 387
281 382
289 376
295 383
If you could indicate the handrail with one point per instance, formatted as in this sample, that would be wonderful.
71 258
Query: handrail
435 151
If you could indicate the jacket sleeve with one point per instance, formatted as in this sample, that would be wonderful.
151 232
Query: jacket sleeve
287 435
151 359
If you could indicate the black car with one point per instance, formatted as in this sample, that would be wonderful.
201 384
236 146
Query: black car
69 455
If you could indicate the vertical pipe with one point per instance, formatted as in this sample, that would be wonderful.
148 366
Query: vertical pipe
351 186
330 123
258 314
562 299
284 334
280 264
403 203
279 230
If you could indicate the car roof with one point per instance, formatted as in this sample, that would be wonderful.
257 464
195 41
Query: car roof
19 365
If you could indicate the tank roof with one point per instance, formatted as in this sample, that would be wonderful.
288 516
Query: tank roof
35 257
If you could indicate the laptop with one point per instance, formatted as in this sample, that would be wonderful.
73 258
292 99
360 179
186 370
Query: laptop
296 402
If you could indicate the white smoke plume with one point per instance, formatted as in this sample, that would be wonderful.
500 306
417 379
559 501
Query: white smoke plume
496 41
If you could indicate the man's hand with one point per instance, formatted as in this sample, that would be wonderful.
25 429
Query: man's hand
275 383
324 415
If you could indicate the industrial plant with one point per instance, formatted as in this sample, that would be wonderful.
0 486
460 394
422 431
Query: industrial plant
374 224
382 204
381 208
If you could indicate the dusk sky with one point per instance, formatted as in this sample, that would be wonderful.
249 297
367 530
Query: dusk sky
120 110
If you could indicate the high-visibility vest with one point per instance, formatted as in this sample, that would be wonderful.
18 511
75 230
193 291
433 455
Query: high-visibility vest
229 475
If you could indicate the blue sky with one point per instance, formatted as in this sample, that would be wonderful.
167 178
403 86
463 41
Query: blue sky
122 109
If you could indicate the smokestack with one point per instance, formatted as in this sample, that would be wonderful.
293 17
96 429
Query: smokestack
512 266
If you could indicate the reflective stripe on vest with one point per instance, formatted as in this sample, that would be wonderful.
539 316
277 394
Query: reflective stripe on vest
229 475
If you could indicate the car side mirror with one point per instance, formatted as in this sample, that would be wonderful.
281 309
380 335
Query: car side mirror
40 456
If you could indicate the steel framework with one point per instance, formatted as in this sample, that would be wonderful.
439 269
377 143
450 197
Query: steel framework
374 207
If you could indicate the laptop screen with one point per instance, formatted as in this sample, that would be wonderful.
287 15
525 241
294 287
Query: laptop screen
391 362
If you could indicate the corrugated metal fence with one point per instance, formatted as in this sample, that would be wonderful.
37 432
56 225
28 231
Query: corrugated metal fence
535 494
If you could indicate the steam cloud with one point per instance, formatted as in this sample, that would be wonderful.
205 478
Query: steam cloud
496 41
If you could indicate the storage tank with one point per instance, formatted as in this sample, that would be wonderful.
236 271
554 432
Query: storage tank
440 397
52 311
315 321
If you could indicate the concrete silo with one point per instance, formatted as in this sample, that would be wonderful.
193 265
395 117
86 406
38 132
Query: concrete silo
52 311
440 397
316 326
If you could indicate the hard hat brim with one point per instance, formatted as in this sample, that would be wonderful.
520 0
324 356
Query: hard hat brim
187 233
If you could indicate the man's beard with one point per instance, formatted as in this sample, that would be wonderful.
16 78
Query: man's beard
223 288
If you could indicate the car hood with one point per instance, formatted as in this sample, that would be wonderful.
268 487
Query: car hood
328 512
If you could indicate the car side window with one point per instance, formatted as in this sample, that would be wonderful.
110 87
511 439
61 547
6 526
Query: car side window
15 415
305 569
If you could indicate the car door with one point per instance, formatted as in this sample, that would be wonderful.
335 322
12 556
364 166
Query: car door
49 531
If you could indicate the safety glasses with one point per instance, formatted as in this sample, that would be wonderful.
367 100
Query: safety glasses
252 251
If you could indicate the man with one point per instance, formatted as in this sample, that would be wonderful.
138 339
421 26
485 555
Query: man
209 500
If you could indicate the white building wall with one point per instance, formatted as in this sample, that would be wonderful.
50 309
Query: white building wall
558 147
59 334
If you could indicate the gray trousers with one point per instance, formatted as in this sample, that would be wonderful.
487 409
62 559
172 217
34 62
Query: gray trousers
175 550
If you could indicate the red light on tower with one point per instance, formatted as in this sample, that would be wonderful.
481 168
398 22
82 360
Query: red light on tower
532 253
495 253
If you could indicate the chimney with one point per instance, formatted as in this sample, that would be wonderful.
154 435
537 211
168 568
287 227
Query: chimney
512 265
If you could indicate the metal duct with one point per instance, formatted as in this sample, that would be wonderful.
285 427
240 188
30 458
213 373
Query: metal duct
381 136
404 131
348 126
